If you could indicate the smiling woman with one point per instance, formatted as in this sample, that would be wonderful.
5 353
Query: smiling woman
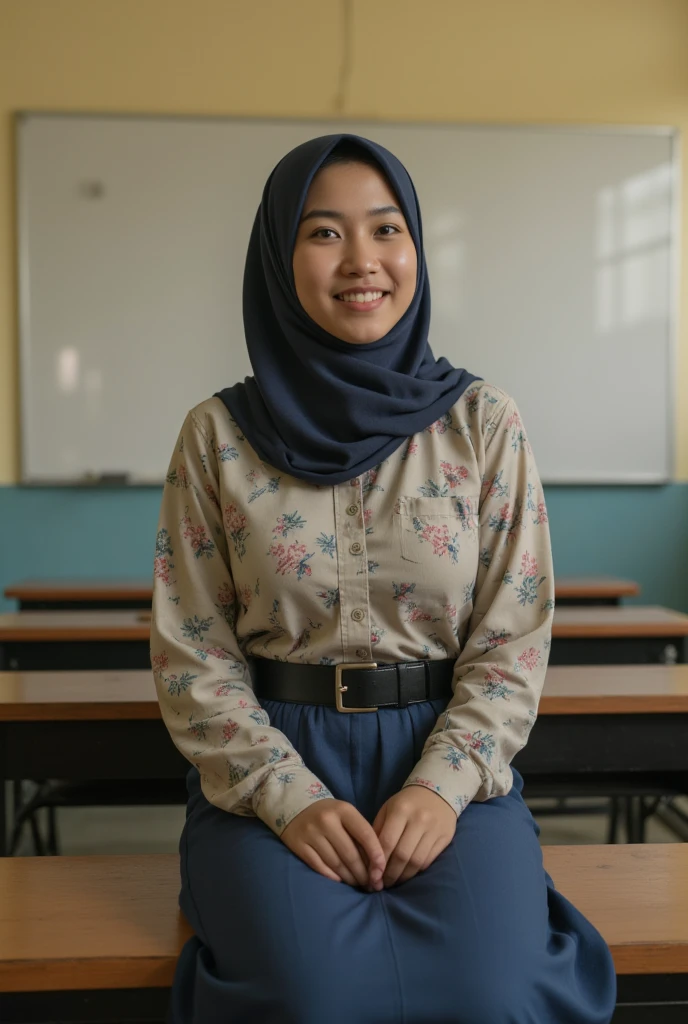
351 625
355 263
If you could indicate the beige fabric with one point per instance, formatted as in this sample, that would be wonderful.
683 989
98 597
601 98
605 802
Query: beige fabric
441 551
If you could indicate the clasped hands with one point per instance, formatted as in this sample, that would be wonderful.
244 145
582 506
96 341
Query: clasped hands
409 831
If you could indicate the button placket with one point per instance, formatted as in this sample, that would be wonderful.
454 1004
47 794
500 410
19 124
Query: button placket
354 603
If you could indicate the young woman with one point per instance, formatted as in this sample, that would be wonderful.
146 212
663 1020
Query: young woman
356 849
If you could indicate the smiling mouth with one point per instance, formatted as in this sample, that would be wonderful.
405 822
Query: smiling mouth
362 297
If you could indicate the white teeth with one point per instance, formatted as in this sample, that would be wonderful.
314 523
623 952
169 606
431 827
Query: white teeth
361 296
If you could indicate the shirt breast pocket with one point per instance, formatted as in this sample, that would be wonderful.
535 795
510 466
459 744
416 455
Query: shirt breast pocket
429 528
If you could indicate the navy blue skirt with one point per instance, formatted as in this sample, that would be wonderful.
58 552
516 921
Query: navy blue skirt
481 937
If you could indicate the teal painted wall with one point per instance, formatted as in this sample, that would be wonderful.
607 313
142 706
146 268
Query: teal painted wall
635 532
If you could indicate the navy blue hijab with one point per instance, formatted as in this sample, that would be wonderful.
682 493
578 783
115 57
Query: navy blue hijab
319 408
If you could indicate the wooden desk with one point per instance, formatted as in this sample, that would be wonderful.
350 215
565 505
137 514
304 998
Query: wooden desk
111 924
94 595
607 720
593 590
635 635
44 641
81 595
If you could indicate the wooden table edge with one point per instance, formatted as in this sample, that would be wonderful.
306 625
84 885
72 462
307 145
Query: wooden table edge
96 711
609 630
608 704
605 589
87 973
82 592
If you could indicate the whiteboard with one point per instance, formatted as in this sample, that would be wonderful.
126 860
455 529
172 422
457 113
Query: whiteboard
552 258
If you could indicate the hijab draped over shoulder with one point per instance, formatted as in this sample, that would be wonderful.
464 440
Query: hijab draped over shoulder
318 408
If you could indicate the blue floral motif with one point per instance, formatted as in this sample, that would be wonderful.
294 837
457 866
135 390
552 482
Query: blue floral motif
194 628
327 544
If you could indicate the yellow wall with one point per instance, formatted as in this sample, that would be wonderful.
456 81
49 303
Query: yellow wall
604 61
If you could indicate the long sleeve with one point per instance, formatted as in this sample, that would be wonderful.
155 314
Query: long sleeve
500 670
202 677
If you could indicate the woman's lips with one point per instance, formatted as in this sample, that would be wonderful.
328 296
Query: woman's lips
362 301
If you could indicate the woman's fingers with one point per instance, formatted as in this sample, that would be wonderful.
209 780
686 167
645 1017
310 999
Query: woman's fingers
416 861
311 857
402 852
334 852
362 831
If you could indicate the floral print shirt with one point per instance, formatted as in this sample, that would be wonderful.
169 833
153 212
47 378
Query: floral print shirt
441 551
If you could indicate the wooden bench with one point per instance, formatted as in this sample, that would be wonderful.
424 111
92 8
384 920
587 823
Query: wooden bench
109 923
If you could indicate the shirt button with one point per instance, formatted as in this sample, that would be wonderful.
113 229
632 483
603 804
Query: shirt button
362 654
352 510
356 548
358 615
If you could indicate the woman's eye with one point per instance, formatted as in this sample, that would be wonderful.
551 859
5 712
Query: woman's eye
388 229
324 233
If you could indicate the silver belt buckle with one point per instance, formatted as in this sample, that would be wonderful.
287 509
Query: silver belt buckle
339 688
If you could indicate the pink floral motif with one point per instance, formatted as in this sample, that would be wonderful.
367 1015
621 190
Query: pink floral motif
160 662
161 569
507 520
245 596
443 543
212 495
417 780
529 566
235 521
454 475
291 559
438 427
218 652
452 614
416 614
411 449
367 515
530 659
235 525
229 731
200 542
316 789
541 515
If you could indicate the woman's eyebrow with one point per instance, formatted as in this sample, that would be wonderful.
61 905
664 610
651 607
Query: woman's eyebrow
378 211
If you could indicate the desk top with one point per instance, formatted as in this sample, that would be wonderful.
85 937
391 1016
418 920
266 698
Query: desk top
568 690
595 587
116 924
142 589
634 620
74 626
81 590
637 620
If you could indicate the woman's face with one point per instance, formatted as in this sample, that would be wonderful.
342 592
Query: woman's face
354 259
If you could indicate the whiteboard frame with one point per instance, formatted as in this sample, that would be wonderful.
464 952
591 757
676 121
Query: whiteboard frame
23 262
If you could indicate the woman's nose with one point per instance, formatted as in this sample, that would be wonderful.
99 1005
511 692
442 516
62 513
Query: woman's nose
360 259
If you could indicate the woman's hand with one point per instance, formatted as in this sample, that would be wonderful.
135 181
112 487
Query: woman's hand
331 836
414 826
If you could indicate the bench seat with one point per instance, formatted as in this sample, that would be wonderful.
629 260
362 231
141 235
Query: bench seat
85 923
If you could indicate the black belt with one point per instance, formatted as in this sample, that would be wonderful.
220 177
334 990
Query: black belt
364 687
